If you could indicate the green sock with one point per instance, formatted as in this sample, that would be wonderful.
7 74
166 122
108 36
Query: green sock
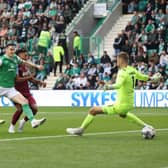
135 119
28 112
87 121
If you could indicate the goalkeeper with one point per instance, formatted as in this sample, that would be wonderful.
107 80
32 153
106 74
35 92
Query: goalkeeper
125 83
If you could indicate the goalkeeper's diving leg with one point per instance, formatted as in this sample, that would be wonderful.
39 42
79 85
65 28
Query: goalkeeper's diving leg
110 110
86 122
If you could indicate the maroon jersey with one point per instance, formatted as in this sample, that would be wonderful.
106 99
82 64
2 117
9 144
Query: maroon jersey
23 87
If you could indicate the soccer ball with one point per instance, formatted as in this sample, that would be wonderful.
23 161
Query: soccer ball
148 132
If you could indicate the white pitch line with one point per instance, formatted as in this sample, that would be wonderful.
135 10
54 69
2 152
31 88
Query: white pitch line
54 113
86 134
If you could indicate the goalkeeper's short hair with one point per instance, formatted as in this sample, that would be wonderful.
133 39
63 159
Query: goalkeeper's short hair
124 56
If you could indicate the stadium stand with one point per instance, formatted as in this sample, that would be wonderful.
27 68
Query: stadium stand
26 22
144 36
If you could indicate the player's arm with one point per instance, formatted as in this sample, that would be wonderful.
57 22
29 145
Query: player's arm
31 64
119 82
141 76
30 78
156 77
38 82
23 79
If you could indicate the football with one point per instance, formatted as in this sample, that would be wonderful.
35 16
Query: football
148 132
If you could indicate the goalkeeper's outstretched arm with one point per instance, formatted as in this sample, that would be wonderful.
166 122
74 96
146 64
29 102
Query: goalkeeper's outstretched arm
117 85
141 76
156 77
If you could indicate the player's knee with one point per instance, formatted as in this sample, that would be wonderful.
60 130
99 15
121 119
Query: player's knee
123 115
23 101
92 111
19 108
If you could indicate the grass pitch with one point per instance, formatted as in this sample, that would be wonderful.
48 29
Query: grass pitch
109 142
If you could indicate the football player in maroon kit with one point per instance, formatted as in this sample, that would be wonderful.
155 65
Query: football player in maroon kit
21 84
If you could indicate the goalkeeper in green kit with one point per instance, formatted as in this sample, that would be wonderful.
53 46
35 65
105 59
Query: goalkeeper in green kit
125 82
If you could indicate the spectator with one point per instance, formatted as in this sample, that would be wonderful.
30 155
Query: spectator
42 75
91 60
63 40
105 58
100 71
60 24
80 82
117 44
67 14
76 44
67 70
49 62
59 83
152 67
85 69
150 27
44 40
75 70
81 61
132 6
58 53
163 59
135 18
107 70
126 47
129 27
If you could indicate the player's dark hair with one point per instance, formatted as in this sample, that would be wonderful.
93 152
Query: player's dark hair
22 50
124 56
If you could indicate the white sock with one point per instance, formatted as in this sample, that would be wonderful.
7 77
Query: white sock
12 126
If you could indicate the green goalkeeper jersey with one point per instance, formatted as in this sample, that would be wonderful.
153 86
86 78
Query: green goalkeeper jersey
8 70
125 84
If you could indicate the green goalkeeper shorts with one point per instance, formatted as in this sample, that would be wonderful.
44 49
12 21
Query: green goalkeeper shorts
117 109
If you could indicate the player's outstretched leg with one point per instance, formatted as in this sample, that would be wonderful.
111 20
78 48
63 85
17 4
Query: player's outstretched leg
87 121
34 122
20 99
133 118
25 119
21 125
15 118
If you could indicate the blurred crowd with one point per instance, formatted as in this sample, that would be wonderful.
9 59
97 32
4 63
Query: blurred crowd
38 26
87 73
23 20
145 39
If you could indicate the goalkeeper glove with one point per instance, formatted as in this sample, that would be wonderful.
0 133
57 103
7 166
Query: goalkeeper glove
156 77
